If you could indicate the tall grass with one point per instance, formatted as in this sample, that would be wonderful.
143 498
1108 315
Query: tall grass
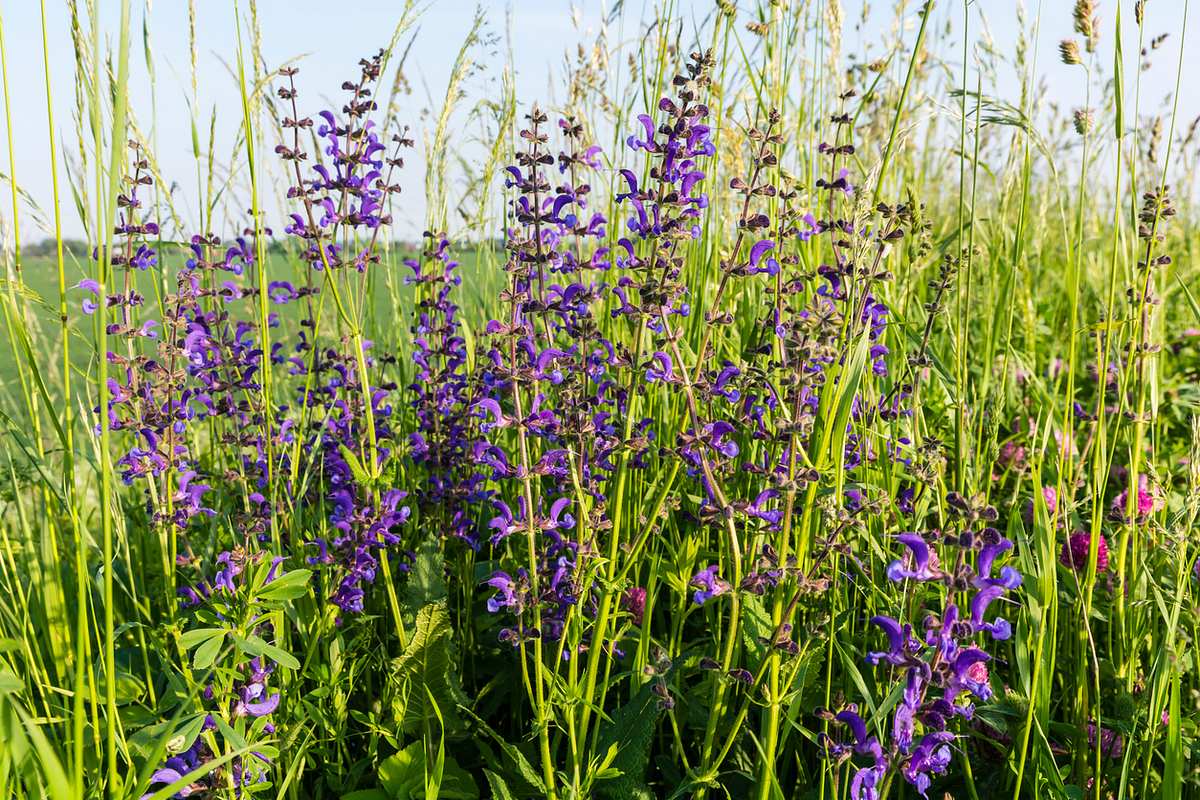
317 512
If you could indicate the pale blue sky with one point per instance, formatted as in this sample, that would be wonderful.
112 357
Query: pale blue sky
331 36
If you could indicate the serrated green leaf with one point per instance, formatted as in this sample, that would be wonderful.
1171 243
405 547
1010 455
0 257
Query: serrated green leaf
631 731
356 466
499 788
426 583
517 763
428 664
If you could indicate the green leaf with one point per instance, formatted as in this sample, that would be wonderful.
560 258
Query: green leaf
287 586
630 731
428 664
28 747
500 790
190 639
206 654
756 625
356 466
833 432
426 583
1173 762
517 763
143 741
403 776
255 646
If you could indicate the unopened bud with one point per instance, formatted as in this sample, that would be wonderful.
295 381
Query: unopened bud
1068 50
1083 121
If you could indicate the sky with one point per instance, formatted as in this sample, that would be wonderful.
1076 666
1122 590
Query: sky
328 38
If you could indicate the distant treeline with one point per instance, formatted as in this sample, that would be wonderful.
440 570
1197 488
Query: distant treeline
77 248
46 247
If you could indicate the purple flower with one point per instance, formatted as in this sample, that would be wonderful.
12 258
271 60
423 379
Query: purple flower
505 524
506 592
89 305
1009 577
489 410
924 563
660 368
759 509
709 584
999 627
756 255
867 780
900 642
930 757
260 708
281 292
971 672
1112 743
1147 502
231 567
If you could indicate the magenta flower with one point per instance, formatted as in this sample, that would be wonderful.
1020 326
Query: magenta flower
1012 455
1112 744
1076 548
1050 496
634 601
1147 502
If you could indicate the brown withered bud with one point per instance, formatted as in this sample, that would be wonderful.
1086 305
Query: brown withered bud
1156 132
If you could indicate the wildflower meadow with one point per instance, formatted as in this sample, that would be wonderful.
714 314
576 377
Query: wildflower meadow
751 399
